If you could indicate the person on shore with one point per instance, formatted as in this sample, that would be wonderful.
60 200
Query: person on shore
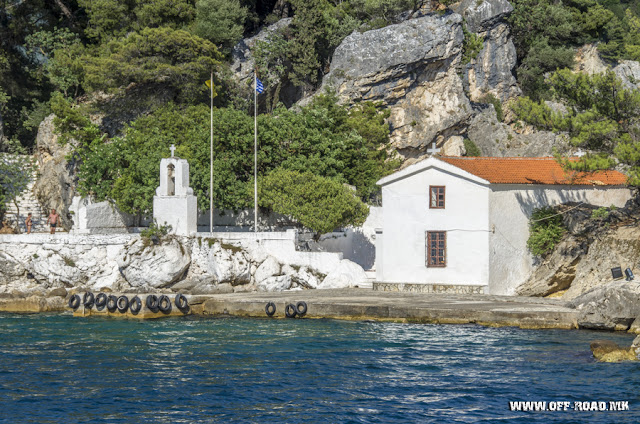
28 223
52 220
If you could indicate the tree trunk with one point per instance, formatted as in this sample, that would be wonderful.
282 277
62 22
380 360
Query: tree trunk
15 202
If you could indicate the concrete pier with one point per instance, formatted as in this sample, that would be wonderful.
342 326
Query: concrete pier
357 304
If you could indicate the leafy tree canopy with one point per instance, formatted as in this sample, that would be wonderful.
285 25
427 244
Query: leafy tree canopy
164 56
220 21
320 204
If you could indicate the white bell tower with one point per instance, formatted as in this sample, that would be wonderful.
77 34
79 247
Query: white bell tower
174 202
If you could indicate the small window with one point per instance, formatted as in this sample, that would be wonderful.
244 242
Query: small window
436 249
436 197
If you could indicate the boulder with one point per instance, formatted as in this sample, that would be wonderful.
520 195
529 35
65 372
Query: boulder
275 284
306 278
155 265
588 60
613 306
347 274
411 68
60 291
228 264
608 351
268 268
208 287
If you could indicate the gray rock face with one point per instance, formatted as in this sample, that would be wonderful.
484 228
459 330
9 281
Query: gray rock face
494 138
491 72
55 186
10 268
629 72
482 15
411 68
613 306
243 62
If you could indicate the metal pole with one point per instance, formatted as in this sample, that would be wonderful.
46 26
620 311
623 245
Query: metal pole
255 151
211 163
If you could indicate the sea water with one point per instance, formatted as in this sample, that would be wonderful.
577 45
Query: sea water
55 368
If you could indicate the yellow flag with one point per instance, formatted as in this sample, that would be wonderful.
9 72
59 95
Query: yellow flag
209 83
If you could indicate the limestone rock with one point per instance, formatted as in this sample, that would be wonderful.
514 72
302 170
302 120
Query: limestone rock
228 264
620 247
482 15
268 268
492 70
347 274
275 284
494 138
10 268
613 306
629 72
588 60
55 185
60 291
155 265
608 351
209 288
304 277
410 67
454 146
556 273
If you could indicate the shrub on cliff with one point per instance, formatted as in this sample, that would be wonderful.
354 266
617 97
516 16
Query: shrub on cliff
545 231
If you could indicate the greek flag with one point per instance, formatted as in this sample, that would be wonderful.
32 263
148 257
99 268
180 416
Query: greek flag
259 86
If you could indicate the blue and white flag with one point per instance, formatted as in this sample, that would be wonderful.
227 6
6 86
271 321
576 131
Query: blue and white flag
259 86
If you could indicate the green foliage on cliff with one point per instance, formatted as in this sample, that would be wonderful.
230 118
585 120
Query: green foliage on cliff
547 32
319 203
545 231
220 21
471 46
602 116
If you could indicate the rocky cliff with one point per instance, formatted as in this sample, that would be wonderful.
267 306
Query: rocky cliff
593 245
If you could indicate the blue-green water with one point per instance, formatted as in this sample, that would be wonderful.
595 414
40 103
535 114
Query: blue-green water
60 369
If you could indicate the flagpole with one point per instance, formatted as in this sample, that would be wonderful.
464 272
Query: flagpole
211 162
255 151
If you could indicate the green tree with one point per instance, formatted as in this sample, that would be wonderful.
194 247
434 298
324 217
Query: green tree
155 56
318 203
546 229
220 21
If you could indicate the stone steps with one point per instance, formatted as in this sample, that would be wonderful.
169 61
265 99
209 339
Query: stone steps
27 202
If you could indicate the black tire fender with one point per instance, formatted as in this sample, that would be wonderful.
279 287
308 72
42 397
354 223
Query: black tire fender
123 304
152 302
270 309
88 299
112 303
101 301
135 305
301 308
181 302
74 301
164 304
290 311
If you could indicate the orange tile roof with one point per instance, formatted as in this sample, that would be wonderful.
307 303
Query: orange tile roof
531 171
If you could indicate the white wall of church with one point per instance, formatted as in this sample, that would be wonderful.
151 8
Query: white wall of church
511 207
407 217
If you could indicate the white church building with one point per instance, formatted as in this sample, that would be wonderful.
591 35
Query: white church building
461 223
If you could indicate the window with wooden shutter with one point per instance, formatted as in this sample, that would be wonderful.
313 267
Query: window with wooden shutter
436 249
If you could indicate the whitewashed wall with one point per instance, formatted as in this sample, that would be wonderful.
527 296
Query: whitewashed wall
511 206
406 217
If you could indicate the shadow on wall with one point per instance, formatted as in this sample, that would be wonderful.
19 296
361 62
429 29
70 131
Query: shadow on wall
536 198
355 245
